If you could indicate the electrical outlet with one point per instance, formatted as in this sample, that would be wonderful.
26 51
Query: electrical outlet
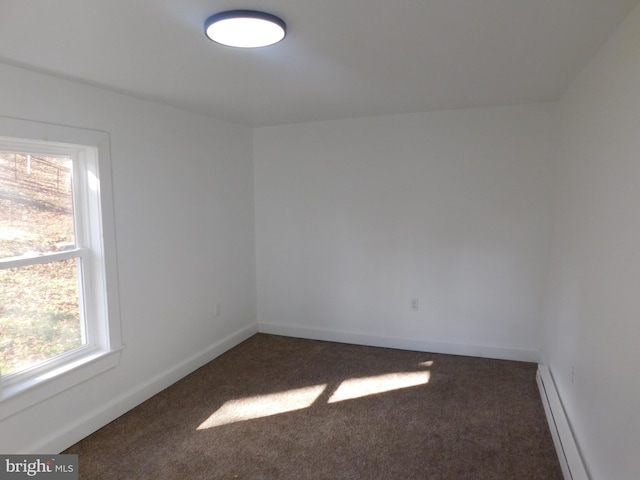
573 374
415 304
217 310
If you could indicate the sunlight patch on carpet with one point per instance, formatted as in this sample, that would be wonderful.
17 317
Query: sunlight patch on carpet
263 406
363 387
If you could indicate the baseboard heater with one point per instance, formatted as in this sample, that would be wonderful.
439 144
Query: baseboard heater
566 447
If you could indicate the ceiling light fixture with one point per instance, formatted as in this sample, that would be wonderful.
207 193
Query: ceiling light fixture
245 28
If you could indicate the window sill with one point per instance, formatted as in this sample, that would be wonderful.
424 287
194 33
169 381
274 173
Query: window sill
20 396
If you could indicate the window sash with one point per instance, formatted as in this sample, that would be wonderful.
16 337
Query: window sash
88 332
23 261
82 236
42 368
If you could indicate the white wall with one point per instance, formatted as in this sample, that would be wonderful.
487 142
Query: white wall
183 194
356 217
593 320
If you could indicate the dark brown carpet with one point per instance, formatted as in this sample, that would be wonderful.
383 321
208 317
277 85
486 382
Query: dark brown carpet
475 419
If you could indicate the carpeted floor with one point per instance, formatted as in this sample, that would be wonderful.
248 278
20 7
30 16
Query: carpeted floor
285 408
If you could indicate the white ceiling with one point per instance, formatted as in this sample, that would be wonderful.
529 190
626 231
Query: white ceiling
341 58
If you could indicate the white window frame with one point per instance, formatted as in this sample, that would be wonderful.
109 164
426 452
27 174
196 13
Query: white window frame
95 248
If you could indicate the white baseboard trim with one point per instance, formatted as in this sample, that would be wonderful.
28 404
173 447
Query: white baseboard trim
566 447
422 345
84 426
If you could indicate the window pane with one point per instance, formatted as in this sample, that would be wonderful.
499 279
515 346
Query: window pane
36 204
39 313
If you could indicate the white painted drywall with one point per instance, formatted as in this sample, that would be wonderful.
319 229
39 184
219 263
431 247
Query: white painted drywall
183 194
593 326
354 218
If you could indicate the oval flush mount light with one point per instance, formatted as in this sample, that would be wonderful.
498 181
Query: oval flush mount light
245 28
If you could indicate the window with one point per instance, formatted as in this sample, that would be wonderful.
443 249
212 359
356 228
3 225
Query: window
58 326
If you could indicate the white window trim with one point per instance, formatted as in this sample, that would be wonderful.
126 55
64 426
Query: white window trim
102 352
